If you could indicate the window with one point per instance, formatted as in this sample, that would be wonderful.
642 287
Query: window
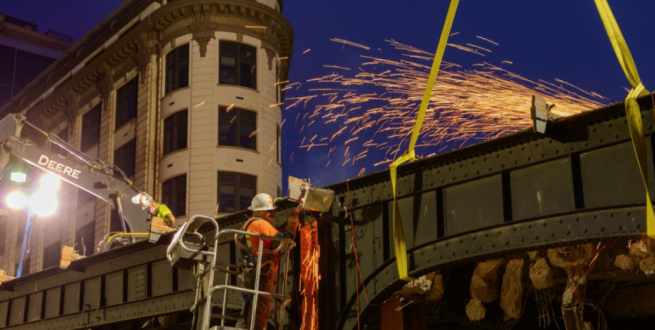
84 239
55 149
51 255
175 132
174 195
235 191
91 128
237 128
18 69
177 68
124 158
126 98
237 64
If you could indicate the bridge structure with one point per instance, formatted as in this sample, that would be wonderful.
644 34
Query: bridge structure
511 198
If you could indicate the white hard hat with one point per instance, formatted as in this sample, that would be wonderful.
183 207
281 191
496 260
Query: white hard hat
262 202
142 199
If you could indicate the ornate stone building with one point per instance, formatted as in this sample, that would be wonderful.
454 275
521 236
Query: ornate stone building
184 96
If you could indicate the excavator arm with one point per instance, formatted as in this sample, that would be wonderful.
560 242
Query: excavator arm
106 182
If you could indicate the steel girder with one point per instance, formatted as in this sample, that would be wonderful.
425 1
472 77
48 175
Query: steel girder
520 192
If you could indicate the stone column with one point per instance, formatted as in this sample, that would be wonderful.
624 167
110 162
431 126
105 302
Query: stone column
147 114
105 83
8 260
67 227
202 128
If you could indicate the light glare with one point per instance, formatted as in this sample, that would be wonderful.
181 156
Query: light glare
16 200
50 182
43 203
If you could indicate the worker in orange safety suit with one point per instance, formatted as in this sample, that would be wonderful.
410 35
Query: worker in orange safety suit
261 223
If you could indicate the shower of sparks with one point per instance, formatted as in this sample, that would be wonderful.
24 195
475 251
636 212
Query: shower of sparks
487 40
336 67
350 43
466 105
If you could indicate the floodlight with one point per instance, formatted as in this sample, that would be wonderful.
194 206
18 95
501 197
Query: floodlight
43 203
50 182
16 200
18 177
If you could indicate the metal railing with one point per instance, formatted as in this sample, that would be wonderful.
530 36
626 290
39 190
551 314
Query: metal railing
190 228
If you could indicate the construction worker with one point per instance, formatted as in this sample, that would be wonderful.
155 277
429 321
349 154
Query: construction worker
261 223
155 209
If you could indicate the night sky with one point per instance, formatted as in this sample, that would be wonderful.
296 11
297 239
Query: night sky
546 40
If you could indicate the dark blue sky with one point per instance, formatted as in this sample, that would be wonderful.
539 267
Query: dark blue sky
546 40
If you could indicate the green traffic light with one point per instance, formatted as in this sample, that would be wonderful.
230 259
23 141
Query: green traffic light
18 177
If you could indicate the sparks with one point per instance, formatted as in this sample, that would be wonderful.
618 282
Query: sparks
378 101
350 43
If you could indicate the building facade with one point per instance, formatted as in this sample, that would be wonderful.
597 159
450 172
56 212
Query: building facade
25 53
184 96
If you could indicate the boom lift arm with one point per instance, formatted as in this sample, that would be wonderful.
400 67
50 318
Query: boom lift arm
106 182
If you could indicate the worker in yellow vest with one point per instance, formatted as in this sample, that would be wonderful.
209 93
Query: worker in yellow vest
155 209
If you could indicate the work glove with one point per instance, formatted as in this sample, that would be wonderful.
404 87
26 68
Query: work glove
294 221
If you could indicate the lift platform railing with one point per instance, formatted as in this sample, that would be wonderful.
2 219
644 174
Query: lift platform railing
183 255
286 245
188 255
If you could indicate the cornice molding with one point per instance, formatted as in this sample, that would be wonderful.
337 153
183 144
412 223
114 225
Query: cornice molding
146 45
200 17
215 15
205 23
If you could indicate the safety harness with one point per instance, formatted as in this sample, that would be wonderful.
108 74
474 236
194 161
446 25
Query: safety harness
248 258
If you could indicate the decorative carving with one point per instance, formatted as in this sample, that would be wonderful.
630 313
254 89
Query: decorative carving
284 70
105 83
146 45
271 46
270 55
72 105
203 26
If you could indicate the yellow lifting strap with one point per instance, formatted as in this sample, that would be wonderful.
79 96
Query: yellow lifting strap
633 113
398 234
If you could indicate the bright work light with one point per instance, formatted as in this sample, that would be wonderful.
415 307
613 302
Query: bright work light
18 177
16 200
43 203
50 182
